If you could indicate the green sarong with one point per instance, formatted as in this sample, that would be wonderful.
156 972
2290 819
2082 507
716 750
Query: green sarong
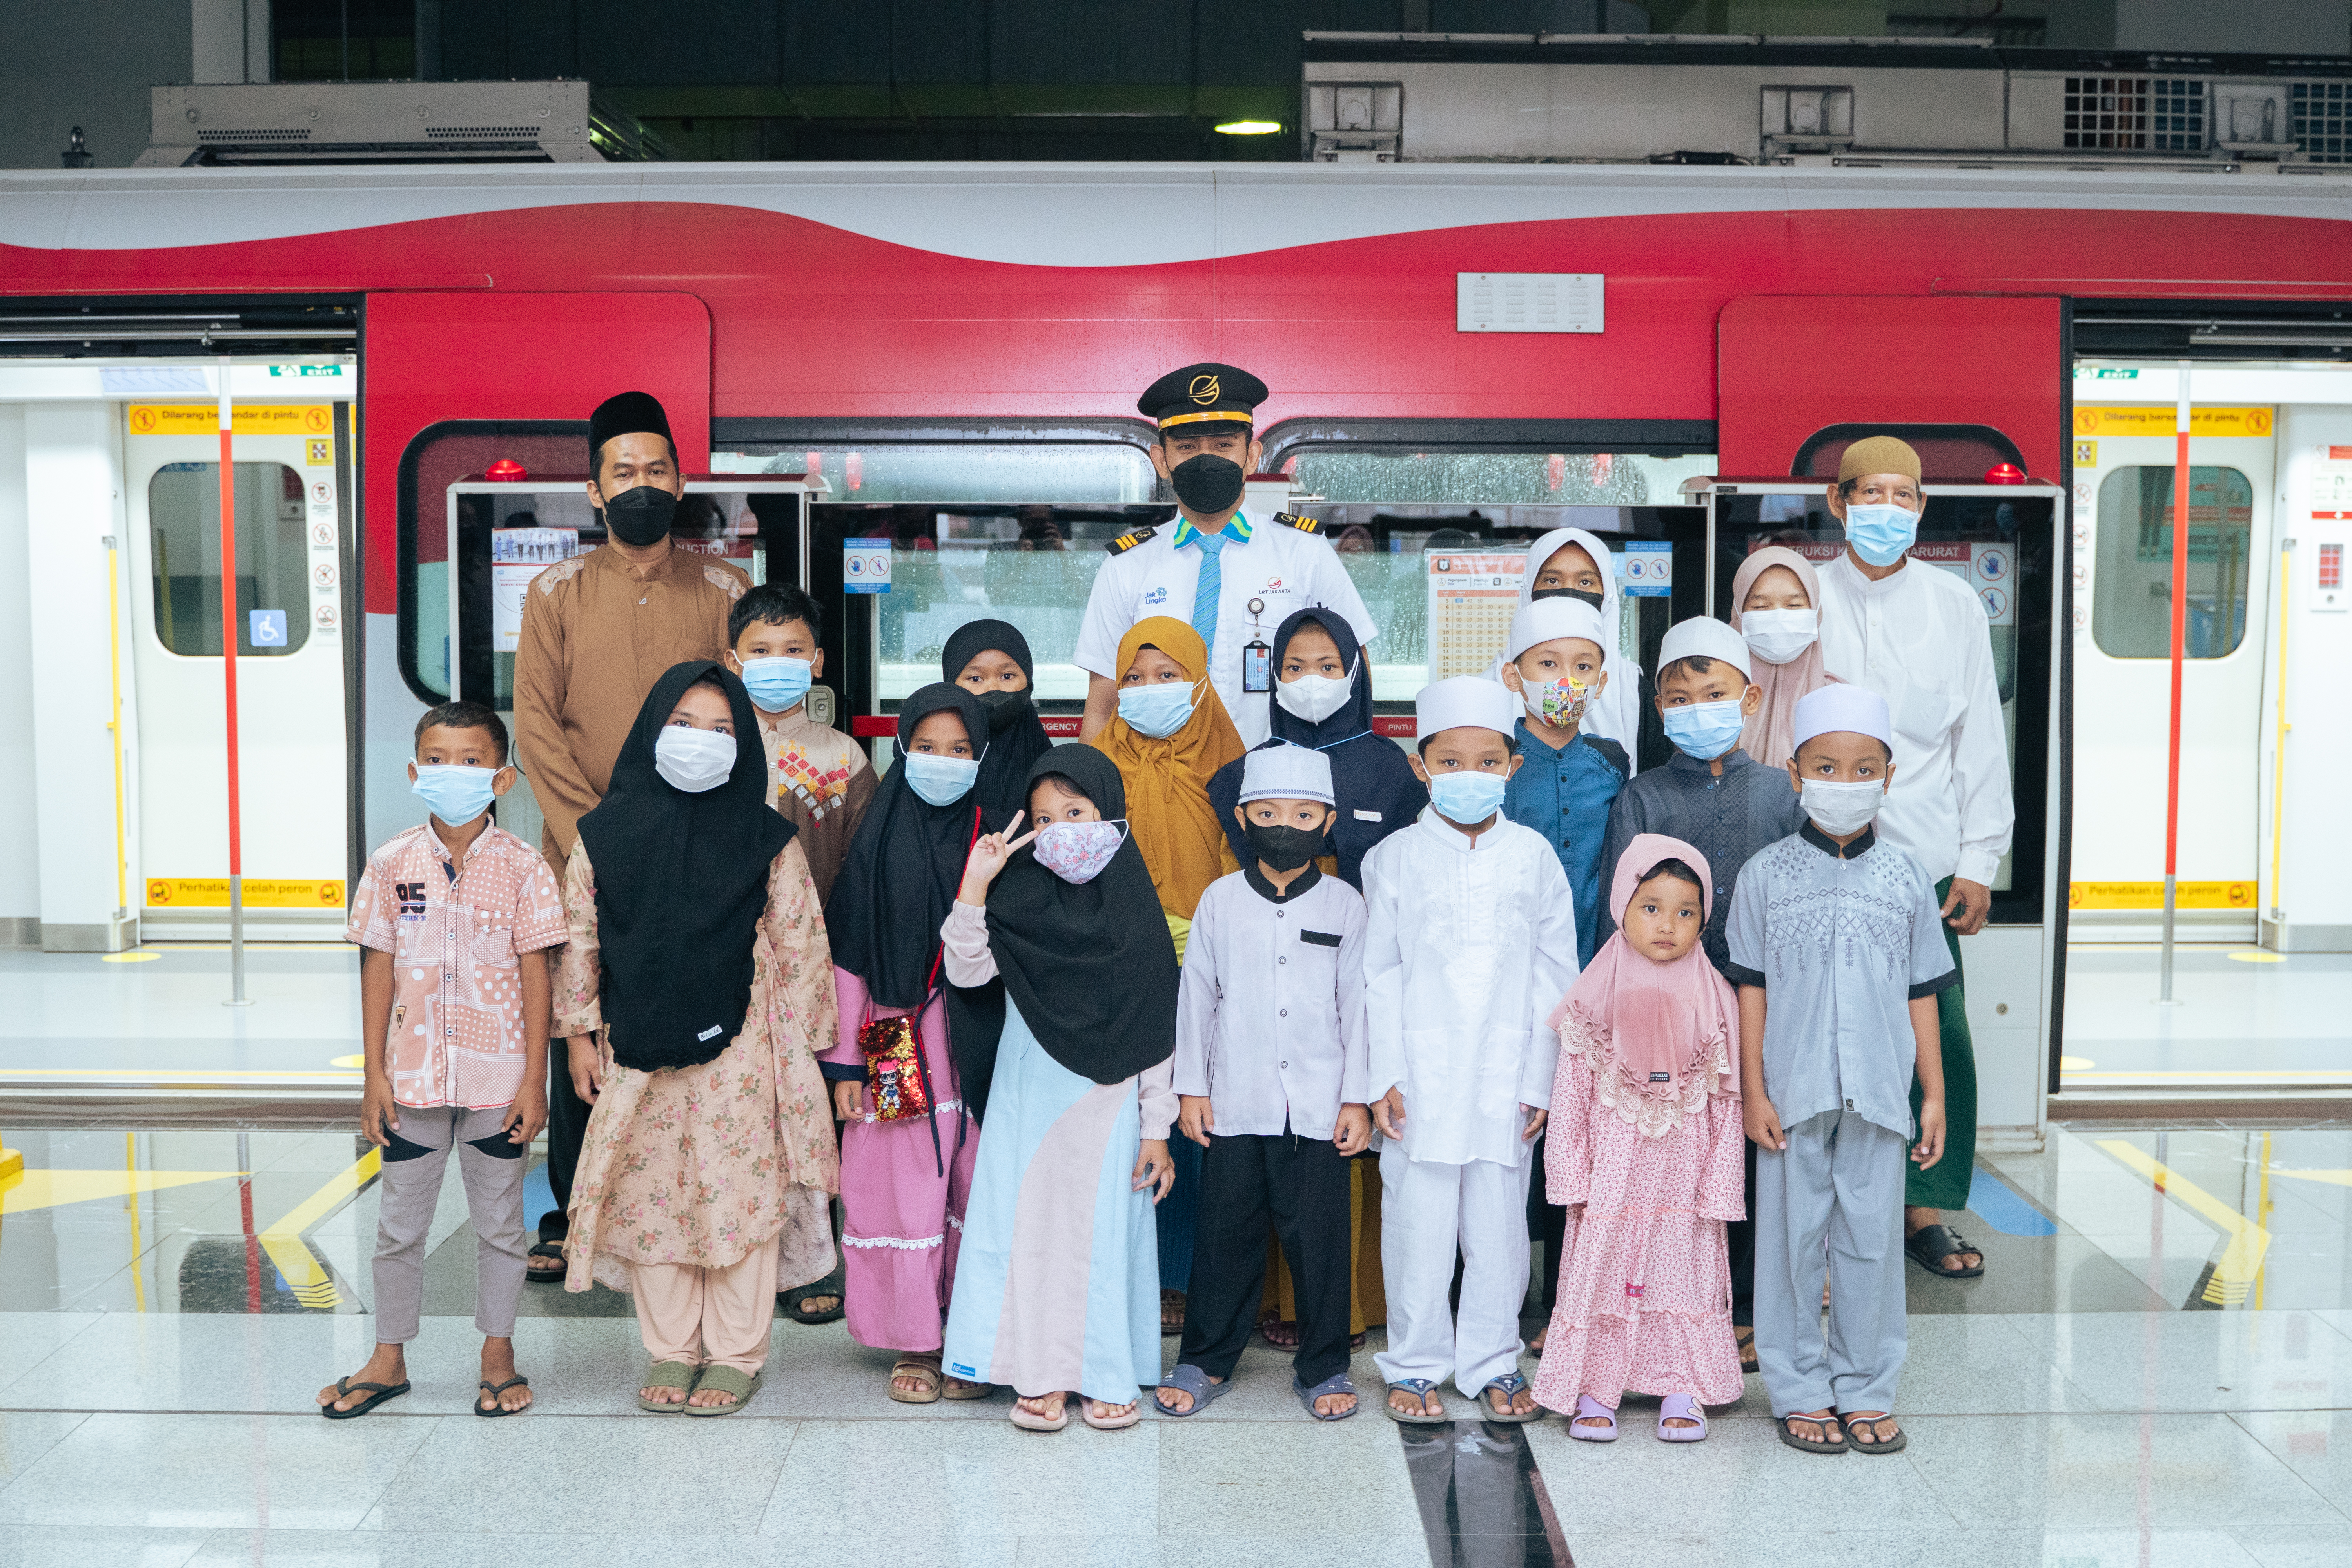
1946 1185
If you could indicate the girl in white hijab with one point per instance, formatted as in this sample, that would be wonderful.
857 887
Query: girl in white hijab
1571 562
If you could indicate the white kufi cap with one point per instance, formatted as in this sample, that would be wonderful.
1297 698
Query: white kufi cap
1543 620
1708 639
1465 701
1284 771
1840 706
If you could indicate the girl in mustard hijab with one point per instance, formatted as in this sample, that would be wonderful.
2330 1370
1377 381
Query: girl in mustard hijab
1170 737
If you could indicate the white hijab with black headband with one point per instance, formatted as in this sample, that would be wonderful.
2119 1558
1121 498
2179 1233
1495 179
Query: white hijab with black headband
1616 713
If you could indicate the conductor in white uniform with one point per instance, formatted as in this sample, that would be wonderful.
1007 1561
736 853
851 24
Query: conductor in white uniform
1235 577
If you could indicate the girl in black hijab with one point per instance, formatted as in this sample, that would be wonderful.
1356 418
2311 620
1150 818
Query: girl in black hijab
695 991
990 661
904 1177
1377 792
1074 1151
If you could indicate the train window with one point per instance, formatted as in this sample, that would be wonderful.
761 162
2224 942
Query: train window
995 473
2131 593
1490 478
273 590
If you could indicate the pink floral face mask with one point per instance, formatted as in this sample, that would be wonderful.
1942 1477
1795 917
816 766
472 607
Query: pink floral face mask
1078 851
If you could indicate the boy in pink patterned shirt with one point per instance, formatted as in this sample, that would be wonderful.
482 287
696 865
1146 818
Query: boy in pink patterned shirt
455 918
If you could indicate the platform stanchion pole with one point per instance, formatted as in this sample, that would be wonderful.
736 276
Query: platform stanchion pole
2180 646
236 997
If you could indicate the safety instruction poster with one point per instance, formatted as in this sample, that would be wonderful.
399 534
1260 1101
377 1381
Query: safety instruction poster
518 555
1987 565
1472 598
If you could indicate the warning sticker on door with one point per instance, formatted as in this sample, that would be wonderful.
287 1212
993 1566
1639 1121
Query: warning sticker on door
260 893
2150 895
248 419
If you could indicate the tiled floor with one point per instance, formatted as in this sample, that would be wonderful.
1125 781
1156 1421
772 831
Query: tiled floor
2241 1016
2112 1393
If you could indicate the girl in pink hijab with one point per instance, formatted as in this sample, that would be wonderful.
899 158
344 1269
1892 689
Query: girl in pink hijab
1645 1151
1776 605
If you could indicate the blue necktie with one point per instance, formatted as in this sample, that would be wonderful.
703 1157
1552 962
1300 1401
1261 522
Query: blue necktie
1205 595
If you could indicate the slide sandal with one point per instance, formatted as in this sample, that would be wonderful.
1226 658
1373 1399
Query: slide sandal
344 1385
794 1301
926 1373
675 1374
495 1389
1337 1383
1681 1407
1929 1245
1190 1379
725 1380
1590 1409
540 1273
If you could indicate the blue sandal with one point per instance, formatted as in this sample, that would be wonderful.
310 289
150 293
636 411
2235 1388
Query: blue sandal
1190 1379
1337 1383
1420 1388
1512 1384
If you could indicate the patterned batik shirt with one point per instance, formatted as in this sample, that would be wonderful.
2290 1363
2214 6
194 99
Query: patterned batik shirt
455 935
819 780
1841 942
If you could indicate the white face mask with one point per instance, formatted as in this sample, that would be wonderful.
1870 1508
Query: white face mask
1315 698
1775 637
694 760
1838 809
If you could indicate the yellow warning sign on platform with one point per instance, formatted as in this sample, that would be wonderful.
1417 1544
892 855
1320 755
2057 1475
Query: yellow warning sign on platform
2150 895
260 893
2159 418
249 419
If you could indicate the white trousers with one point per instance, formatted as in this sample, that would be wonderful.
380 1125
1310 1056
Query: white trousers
1427 1211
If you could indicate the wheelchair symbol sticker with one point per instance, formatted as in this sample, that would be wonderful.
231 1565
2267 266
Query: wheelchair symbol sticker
269 628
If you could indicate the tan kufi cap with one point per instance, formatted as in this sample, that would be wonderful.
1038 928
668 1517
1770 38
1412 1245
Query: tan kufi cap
1878 455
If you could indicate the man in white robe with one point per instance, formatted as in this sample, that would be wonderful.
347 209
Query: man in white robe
1470 941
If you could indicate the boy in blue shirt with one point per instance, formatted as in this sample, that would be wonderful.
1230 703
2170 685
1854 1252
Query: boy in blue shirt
1554 664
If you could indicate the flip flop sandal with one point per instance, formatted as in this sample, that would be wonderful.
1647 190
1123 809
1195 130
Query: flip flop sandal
795 1300
1030 1421
381 1391
1681 1407
495 1389
725 1380
1337 1383
1929 1245
545 1273
1109 1422
1420 1388
1512 1384
1809 1444
908 1366
1893 1445
1746 1344
1190 1379
1590 1409
677 1375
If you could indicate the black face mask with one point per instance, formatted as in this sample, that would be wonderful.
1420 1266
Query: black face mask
1592 599
1207 484
639 517
1006 709
1284 847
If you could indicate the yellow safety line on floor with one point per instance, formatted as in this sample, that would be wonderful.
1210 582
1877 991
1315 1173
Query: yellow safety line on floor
2241 1260
311 1282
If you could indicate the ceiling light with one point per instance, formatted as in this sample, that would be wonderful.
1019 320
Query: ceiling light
1249 128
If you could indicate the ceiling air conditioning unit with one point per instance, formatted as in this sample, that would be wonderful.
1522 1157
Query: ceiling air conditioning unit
294 123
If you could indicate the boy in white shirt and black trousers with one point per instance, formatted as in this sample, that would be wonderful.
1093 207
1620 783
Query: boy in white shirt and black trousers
1271 1055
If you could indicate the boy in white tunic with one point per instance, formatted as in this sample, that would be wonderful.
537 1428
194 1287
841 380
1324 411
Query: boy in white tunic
1470 939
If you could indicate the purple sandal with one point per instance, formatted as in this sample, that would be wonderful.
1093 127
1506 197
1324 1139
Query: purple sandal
1681 1407
1590 1409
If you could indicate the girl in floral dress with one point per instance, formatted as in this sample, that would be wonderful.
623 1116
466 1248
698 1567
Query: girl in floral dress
1645 1152
695 990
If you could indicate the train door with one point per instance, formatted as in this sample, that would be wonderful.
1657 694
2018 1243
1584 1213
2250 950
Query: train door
2123 608
286 610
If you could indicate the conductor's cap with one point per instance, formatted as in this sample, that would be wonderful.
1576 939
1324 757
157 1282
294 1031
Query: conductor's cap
1202 395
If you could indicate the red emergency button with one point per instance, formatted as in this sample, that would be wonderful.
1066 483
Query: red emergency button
506 470
2004 474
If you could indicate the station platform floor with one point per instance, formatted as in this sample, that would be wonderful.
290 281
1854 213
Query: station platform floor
2243 1019
2155 1369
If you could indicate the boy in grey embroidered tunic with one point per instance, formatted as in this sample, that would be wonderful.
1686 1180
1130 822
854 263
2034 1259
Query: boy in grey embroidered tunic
1839 952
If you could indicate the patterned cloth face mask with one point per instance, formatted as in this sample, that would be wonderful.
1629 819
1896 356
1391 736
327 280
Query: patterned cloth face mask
1558 702
1078 851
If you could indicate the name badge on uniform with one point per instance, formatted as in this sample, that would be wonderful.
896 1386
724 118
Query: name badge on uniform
1257 666
1320 938
1363 815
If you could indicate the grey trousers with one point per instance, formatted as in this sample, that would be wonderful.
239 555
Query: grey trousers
493 1172
1833 1199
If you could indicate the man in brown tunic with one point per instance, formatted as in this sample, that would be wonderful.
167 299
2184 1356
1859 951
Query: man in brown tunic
598 630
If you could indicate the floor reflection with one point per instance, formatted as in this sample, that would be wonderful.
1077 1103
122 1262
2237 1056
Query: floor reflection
1481 1497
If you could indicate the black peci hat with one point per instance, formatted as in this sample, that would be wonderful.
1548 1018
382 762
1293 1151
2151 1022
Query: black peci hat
627 413
1202 395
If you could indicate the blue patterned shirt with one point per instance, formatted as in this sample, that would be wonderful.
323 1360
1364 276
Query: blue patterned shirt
1841 940
1565 795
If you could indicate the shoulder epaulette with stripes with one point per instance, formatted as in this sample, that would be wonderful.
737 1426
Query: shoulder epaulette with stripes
1302 524
1126 542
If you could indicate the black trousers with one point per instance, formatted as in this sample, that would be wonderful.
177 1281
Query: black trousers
567 1126
1739 1238
1301 1185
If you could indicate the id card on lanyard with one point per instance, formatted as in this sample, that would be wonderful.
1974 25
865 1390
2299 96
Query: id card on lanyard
1257 657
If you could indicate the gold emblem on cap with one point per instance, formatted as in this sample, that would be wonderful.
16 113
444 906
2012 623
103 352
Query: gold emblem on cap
1204 389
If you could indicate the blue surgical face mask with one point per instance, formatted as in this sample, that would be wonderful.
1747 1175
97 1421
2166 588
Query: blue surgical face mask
1705 730
776 684
1466 798
1159 710
456 796
941 781
1880 533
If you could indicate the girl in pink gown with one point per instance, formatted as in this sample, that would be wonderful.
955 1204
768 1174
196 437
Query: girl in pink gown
1644 1152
